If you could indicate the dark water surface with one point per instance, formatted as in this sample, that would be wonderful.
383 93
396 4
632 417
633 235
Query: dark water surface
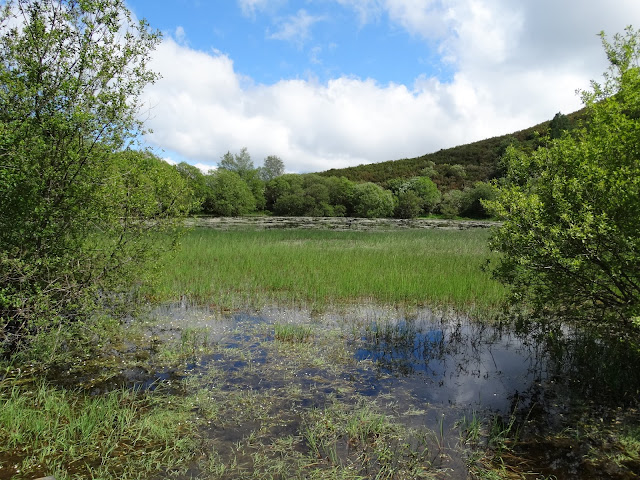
440 366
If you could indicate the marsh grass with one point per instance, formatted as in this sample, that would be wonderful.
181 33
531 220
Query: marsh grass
121 434
280 399
370 444
232 268
291 332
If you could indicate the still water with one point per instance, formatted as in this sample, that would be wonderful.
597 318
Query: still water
441 358
426 368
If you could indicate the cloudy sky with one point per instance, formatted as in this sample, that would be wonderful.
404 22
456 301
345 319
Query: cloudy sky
334 83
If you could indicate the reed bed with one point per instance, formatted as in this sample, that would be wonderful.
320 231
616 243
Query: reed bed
122 434
428 267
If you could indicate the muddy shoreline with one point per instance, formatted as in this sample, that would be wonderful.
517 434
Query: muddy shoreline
336 223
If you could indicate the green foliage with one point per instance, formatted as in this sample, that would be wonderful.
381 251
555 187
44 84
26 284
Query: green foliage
474 198
308 195
429 170
571 236
240 163
284 195
273 167
408 205
456 170
340 194
197 183
229 195
480 160
372 201
452 203
426 191
559 125
76 209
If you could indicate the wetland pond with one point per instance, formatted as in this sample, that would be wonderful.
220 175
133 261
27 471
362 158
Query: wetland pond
465 382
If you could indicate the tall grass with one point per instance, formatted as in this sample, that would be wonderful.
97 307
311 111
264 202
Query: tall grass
435 267
122 434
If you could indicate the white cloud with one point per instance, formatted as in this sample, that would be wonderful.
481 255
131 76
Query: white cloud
425 18
205 167
516 64
295 28
249 7
367 10
180 35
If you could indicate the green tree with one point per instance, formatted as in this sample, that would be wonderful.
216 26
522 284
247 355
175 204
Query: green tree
456 171
452 203
75 212
273 167
558 125
289 185
570 241
426 191
197 183
408 205
340 194
230 196
372 201
242 164
474 198
429 170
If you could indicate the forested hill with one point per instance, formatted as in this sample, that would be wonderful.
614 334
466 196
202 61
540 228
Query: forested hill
480 160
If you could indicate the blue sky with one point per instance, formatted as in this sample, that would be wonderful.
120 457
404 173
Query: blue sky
320 40
333 83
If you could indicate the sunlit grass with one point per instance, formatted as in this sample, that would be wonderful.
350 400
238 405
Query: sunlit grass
291 332
434 267
122 434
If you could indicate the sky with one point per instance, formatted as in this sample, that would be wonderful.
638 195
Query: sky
335 83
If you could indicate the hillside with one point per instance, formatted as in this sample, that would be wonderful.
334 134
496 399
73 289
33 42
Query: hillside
480 159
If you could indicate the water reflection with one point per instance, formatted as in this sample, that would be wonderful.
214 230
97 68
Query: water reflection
446 359
454 360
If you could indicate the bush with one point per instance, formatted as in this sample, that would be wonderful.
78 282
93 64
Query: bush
452 203
372 201
76 205
408 205
570 241
229 195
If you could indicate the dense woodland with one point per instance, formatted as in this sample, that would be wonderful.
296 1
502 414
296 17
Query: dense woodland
449 182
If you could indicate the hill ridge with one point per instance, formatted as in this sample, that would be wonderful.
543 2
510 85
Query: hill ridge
480 159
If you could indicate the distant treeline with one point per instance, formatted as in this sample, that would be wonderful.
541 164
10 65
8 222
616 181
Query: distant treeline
449 182
226 192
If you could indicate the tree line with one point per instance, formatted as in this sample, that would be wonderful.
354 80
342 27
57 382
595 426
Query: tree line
238 188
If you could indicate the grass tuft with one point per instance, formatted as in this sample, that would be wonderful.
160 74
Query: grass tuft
292 333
